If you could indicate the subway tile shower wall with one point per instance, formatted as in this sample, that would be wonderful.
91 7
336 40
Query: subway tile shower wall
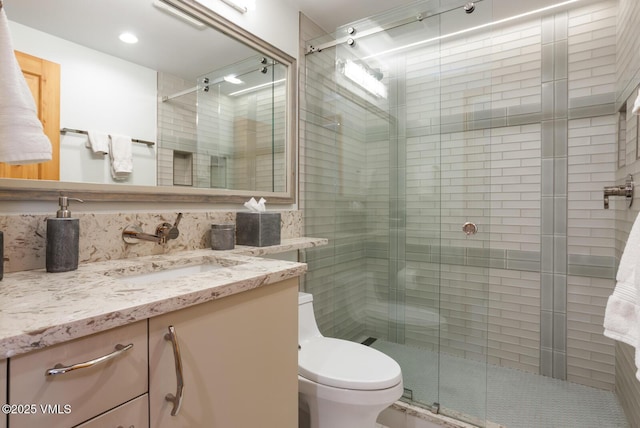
525 114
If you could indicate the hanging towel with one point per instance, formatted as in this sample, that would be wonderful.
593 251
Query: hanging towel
121 156
22 139
98 142
622 314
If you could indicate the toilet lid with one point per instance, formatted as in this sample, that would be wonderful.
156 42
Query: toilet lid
343 364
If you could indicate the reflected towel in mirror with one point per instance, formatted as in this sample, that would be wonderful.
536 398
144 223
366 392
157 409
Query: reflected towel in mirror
22 139
98 142
120 154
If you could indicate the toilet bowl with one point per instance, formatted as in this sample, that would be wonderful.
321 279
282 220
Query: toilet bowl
342 384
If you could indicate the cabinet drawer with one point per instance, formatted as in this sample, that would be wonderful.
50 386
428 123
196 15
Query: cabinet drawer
64 400
134 414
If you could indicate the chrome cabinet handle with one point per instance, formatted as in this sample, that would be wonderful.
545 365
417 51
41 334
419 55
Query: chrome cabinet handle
61 369
175 399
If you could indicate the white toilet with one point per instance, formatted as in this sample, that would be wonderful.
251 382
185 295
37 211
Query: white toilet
341 384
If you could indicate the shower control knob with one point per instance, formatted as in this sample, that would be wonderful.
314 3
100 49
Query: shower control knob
469 228
351 31
351 42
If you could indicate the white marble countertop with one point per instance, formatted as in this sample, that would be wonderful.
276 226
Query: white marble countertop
40 309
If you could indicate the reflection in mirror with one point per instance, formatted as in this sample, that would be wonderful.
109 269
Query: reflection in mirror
238 112
218 110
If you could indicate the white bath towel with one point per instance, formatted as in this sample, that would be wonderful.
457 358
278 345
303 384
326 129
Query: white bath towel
622 314
636 105
22 140
120 154
98 142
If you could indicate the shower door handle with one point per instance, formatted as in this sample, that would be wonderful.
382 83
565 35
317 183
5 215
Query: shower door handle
469 228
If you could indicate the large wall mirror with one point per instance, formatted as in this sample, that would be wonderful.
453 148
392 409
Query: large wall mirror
210 108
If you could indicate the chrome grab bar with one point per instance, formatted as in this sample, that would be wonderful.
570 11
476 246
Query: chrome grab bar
61 369
176 400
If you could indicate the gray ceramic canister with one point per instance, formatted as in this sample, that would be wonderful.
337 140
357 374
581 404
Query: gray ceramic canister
223 236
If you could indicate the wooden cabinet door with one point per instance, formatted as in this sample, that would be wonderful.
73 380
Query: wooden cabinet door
43 79
239 358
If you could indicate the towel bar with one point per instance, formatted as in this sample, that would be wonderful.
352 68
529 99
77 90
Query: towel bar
79 131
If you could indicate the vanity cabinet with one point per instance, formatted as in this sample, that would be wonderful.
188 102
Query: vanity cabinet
238 356
86 390
134 414
3 391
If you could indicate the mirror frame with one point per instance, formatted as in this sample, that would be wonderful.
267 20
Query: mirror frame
22 189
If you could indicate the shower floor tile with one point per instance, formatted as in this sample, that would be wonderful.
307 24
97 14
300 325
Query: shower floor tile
512 398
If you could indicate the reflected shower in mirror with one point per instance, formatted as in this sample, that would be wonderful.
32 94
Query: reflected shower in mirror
238 113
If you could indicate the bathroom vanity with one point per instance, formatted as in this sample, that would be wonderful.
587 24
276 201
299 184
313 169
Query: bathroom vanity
3 389
227 334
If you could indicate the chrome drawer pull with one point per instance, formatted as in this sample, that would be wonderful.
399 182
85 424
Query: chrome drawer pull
175 399
61 369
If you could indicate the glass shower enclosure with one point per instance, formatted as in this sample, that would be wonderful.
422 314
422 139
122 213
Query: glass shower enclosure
396 173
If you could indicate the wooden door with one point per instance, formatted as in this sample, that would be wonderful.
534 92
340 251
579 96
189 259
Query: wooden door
43 78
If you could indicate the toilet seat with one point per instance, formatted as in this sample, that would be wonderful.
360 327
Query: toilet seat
343 364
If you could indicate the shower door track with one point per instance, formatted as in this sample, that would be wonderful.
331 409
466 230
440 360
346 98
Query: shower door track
351 31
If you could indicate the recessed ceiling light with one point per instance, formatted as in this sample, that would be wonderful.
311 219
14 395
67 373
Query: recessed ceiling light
128 38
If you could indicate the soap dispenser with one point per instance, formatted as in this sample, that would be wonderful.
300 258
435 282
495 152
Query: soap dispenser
63 239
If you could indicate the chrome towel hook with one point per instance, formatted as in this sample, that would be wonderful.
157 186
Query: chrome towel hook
625 190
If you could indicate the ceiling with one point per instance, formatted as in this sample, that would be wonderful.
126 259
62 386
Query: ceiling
167 44
330 14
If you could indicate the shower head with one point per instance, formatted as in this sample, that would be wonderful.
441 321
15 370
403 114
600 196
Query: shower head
469 7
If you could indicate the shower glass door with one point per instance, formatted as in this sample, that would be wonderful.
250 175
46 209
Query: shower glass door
405 108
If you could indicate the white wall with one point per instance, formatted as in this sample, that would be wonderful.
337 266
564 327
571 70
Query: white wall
102 93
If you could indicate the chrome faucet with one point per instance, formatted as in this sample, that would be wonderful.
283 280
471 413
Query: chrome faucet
625 190
164 232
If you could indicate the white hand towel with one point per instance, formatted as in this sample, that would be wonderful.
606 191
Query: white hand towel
22 140
98 142
120 154
636 105
622 315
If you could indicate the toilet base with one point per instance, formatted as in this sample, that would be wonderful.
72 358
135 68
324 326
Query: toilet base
330 407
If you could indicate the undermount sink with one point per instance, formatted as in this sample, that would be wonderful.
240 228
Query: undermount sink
170 273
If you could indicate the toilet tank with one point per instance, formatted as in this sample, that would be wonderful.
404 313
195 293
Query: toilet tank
307 326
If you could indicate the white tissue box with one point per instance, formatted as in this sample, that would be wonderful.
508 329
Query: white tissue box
258 229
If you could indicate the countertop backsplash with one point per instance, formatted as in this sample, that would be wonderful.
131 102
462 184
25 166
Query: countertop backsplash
101 235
